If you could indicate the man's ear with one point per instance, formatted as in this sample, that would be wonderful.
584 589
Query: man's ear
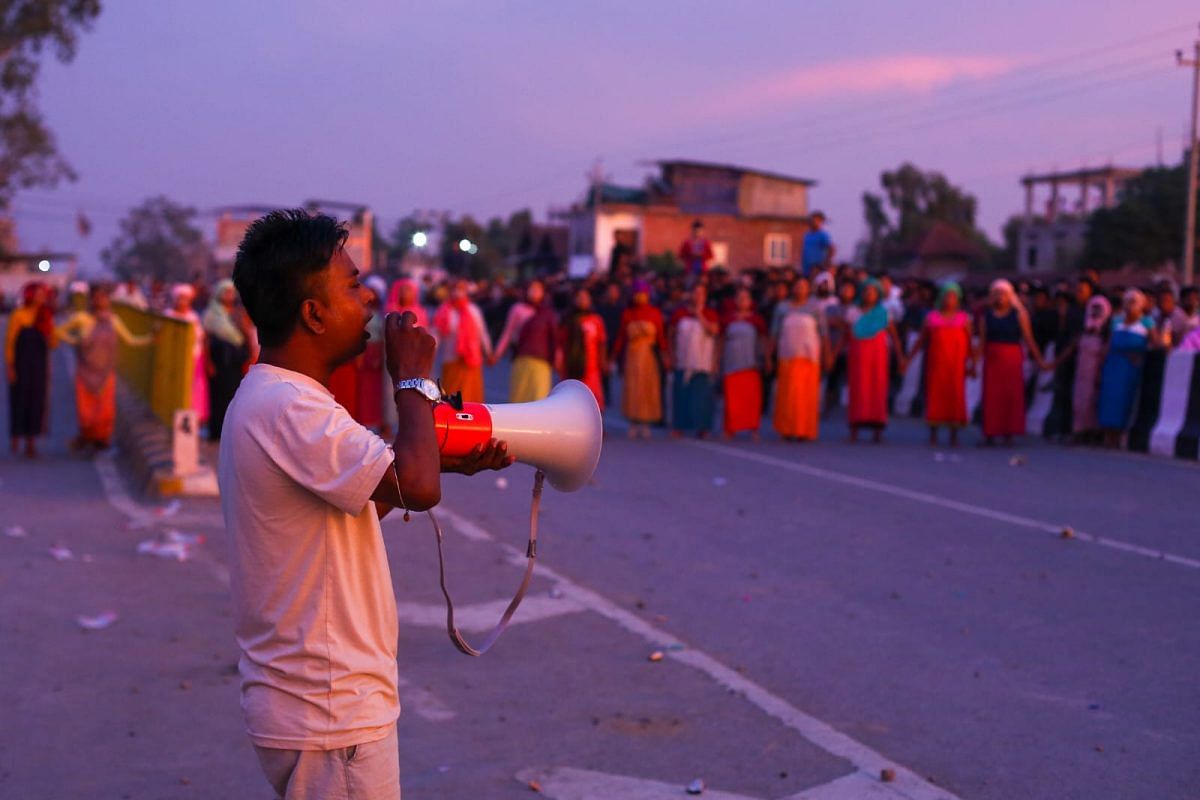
312 316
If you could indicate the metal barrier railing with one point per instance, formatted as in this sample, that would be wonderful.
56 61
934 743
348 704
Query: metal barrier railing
161 375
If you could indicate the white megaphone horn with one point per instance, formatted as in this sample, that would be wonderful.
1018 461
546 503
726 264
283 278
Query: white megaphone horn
560 435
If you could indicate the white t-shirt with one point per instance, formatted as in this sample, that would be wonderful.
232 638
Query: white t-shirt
314 609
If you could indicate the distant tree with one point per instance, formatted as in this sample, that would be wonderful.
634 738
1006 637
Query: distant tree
399 242
917 199
666 262
498 245
1005 257
29 154
157 239
1145 227
878 225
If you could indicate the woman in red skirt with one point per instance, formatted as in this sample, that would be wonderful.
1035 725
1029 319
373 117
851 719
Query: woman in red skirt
741 345
1002 329
871 331
946 339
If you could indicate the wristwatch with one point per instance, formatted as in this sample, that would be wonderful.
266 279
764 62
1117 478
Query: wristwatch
425 387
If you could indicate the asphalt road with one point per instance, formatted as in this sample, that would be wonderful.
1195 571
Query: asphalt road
825 611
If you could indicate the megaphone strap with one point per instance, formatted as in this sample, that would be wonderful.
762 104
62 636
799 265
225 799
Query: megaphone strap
530 554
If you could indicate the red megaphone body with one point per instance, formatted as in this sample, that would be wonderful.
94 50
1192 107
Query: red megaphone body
560 435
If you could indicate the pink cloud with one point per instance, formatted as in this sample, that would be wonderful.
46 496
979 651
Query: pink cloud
913 74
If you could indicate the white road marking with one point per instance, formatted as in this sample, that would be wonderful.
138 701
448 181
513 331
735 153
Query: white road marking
568 783
427 705
480 617
908 784
1055 528
144 516
855 786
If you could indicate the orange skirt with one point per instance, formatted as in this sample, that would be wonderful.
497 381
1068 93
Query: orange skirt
743 401
97 411
458 377
798 398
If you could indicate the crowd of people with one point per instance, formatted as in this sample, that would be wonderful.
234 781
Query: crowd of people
669 349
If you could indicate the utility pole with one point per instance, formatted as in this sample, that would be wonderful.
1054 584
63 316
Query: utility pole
1189 223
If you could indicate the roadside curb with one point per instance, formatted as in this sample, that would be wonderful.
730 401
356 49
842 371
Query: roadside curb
146 453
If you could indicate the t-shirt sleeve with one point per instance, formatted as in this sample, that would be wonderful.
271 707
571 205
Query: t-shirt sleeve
320 446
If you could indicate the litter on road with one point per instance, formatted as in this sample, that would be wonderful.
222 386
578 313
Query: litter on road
178 551
696 787
98 622
60 553
170 509
173 536
656 656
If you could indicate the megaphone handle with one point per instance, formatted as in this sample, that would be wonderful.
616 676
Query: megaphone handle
530 555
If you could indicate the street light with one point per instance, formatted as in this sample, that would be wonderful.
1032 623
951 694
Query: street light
466 246
44 265
420 239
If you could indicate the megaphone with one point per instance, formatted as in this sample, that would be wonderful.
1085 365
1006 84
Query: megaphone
560 435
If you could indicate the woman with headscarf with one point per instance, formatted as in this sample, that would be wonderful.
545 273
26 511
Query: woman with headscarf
641 343
742 346
694 329
27 345
946 338
532 329
798 348
182 295
1089 360
1131 334
584 346
404 296
372 364
463 344
1002 330
95 333
869 335
228 352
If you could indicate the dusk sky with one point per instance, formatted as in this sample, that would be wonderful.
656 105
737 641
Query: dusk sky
490 107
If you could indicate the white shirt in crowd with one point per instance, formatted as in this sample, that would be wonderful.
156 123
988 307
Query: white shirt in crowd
314 607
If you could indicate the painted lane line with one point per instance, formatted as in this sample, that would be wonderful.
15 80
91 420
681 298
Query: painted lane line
948 503
427 705
568 783
481 617
855 786
908 784
145 517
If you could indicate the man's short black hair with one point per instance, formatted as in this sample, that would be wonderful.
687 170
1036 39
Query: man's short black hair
278 257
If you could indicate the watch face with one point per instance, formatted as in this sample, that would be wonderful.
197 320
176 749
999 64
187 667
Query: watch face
430 389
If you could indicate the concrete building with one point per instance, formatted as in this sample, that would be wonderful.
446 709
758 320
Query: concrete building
753 218
232 222
1051 238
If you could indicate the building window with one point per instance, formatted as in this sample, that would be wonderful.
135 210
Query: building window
777 250
1031 258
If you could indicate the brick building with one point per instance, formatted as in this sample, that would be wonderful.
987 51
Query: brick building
753 218
232 222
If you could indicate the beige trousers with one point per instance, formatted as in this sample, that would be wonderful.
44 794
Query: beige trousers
369 771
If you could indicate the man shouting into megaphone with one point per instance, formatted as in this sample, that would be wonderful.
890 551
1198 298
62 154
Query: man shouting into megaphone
303 487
